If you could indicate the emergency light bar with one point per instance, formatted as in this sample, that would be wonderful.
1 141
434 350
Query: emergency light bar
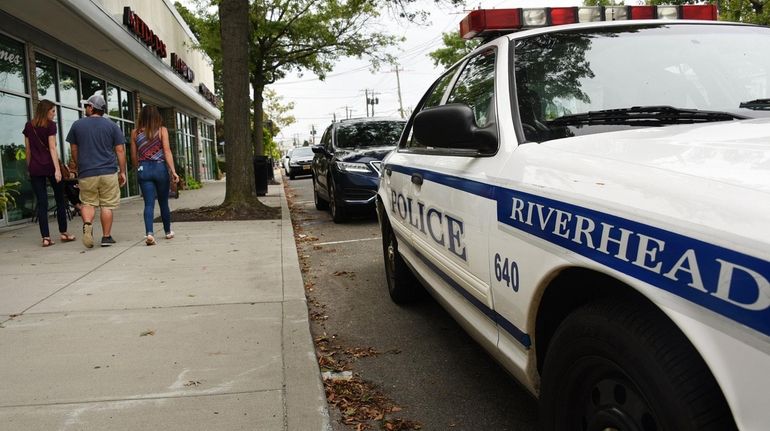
487 22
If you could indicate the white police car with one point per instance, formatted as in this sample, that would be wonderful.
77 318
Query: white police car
591 201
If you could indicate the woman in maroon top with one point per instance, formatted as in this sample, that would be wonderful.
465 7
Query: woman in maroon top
42 164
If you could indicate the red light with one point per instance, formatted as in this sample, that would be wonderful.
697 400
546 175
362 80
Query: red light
482 21
563 15
643 12
703 12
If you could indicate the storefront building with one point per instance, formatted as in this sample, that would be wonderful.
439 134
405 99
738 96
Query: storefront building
133 52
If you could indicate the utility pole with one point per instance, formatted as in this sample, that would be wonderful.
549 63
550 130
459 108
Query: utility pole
312 134
348 111
400 101
371 100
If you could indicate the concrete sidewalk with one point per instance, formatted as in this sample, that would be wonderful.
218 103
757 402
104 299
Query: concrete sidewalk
208 331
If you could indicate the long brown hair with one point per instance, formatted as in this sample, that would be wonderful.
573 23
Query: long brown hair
149 120
41 113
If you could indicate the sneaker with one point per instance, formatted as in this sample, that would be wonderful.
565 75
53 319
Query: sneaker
107 241
149 239
170 235
88 235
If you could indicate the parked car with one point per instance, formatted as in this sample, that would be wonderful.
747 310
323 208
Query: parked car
591 202
346 165
285 161
299 162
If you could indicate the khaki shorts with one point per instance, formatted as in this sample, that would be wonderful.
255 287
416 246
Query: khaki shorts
100 191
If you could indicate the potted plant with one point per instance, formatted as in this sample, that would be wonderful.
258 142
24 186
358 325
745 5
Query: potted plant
7 191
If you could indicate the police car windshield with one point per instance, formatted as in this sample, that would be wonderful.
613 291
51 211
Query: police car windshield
369 134
566 74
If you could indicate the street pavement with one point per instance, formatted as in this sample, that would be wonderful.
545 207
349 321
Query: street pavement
207 331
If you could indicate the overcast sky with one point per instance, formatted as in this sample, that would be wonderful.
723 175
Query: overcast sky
317 102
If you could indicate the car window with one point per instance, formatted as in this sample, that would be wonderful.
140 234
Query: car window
475 87
432 98
369 134
302 152
326 139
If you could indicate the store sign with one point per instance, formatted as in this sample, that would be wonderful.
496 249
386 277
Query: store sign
138 27
181 68
207 94
10 57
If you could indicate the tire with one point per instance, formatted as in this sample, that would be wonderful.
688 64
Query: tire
292 175
617 365
403 287
338 210
320 204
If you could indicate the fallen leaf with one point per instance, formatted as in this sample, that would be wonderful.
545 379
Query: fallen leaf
147 332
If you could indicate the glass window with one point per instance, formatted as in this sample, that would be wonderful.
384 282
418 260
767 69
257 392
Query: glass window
475 87
12 65
438 90
68 116
368 134
13 115
68 86
126 105
705 67
45 71
113 101
91 85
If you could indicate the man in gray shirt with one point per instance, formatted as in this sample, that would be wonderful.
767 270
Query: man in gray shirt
95 141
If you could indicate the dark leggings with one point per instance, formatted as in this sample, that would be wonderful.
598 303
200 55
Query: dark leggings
39 187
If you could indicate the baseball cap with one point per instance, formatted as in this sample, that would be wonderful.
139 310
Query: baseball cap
97 101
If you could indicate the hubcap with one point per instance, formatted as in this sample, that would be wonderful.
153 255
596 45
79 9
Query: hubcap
615 404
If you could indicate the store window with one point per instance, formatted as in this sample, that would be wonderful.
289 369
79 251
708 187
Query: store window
14 112
68 86
208 169
45 72
91 85
187 148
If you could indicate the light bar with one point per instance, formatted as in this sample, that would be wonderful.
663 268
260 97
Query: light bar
489 22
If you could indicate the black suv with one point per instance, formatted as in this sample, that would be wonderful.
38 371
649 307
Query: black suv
346 165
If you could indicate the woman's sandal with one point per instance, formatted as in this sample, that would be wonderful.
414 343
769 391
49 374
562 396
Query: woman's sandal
150 240
47 242
65 237
170 235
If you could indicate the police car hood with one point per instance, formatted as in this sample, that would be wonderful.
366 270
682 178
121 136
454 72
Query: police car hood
734 152
714 176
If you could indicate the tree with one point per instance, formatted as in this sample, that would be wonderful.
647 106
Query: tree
240 189
455 48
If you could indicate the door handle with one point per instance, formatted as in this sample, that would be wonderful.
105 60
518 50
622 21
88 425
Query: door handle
417 179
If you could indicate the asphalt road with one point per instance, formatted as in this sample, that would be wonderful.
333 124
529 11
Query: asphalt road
424 362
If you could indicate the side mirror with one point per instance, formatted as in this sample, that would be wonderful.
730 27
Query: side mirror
318 149
453 127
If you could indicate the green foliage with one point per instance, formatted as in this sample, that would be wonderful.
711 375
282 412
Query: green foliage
746 11
7 191
192 183
455 48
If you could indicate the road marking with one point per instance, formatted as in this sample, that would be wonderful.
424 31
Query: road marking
349 240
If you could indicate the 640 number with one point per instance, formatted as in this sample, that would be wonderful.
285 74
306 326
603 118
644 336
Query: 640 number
507 271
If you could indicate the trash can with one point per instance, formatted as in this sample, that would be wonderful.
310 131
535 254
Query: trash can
261 174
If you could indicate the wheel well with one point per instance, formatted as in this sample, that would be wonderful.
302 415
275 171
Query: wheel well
569 290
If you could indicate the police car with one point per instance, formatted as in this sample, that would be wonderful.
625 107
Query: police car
588 194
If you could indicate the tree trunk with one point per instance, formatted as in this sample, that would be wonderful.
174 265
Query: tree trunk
235 27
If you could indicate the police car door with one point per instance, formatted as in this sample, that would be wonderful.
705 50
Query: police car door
450 208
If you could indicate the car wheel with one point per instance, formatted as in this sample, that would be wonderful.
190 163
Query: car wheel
292 175
320 204
339 213
403 287
613 365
